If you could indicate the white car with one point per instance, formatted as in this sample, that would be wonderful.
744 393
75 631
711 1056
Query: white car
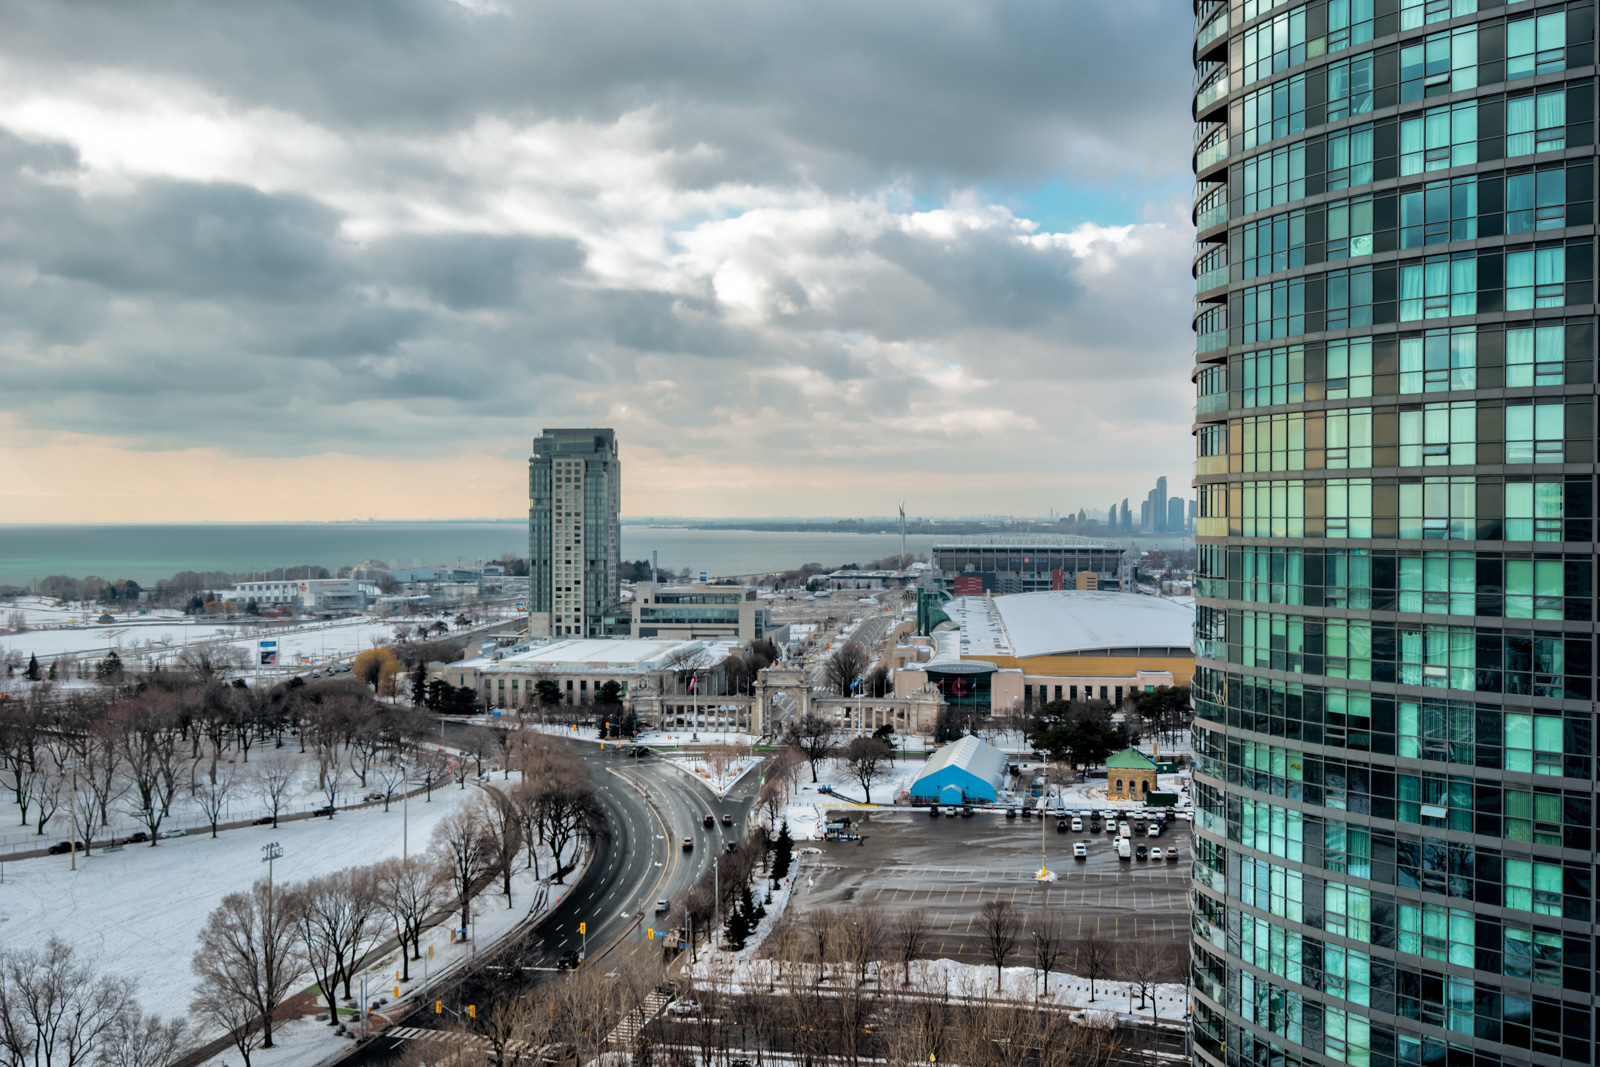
1172 854
1077 824
1155 853
1124 830
1080 851
1153 831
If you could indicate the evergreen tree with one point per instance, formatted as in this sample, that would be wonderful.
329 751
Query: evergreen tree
110 668
32 673
419 683
783 850
741 921
52 675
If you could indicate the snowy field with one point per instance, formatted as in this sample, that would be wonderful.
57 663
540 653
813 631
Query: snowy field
161 636
807 804
139 911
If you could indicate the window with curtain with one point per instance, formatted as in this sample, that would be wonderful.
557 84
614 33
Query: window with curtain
1534 432
1438 361
1348 505
1438 583
1535 278
1533 511
1536 45
1438 509
1439 434
1417 13
1439 138
1349 228
1535 355
1439 287
1536 122
1534 590
1348 434
1349 88
1536 201
1349 159
1349 369
1349 23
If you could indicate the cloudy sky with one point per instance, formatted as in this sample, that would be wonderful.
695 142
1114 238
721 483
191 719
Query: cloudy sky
335 260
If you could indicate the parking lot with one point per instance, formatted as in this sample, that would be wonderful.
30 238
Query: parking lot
949 866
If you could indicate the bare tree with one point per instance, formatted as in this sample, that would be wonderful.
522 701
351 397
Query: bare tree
999 928
1149 963
813 736
145 1041
391 779
1048 944
247 965
410 890
1092 959
505 828
337 921
464 845
719 758
276 779
842 670
55 1010
148 736
431 768
334 780
211 795
868 759
910 934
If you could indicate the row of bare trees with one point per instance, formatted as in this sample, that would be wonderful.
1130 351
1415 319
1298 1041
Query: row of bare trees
258 946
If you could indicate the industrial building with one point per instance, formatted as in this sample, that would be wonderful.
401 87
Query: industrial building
968 771
1016 652
689 611
1002 564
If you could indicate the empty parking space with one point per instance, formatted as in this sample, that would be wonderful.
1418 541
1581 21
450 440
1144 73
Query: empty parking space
948 867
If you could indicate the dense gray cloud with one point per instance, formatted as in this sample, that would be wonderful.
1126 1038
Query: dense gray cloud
401 229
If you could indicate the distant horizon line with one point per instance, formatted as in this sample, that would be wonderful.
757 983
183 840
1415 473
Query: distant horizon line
625 520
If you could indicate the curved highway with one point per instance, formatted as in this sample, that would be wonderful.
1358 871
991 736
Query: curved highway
650 807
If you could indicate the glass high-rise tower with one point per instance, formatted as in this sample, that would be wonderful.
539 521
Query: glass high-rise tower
1395 638
574 532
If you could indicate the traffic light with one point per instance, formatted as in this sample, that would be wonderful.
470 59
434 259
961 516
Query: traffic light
583 928
430 952
472 1011
652 934
397 992
438 1007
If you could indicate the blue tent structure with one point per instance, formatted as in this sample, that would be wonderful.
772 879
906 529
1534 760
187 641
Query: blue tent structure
970 771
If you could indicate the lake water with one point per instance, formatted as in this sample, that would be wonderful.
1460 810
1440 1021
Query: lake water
148 553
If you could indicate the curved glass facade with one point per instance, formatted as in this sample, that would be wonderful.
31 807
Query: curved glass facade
1395 637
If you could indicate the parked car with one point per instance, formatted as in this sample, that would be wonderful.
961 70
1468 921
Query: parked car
1061 826
727 820
1011 812
933 809
1124 830
1154 831
951 812
1094 826
135 838
326 809
265 820
684 1007
61 848
372 796
1141 852
709 821
1080 851
966 811
1172 854
1155 853
1077 825
173 833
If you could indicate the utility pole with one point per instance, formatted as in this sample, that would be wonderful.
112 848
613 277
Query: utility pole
72 763
405 808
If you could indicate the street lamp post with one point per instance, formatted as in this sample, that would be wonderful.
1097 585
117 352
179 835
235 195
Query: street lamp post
72 763
269 852
405 808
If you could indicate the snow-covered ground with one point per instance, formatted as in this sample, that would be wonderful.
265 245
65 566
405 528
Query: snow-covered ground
161 636
139 911
740 971
807 804
718 783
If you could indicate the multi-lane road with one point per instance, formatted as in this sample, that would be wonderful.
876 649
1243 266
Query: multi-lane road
650 807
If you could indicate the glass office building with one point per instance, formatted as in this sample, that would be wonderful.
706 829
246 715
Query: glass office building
1395 635
574 532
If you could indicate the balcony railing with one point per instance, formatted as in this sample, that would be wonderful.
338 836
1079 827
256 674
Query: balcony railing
1211 31
1211 216
1210 94
1211 465
1208 157
1210 405
1210 342
1211 279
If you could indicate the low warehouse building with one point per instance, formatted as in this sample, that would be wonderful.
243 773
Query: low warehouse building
969 771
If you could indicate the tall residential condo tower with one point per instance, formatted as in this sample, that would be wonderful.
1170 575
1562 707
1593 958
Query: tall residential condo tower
574 533
1395 641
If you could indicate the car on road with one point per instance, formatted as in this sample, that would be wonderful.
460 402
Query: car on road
265 820
136 838
1155 853
1141 852
173 833
727 820
1077 825
709 821
1080 851
662 906
569 960
61 848
326 809
688 844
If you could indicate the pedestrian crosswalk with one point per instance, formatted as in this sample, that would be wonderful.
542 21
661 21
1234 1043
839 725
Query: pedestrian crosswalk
628 1030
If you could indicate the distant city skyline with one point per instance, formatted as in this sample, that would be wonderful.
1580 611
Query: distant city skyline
246 282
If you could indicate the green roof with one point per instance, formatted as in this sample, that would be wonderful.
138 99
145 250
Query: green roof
1131 757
